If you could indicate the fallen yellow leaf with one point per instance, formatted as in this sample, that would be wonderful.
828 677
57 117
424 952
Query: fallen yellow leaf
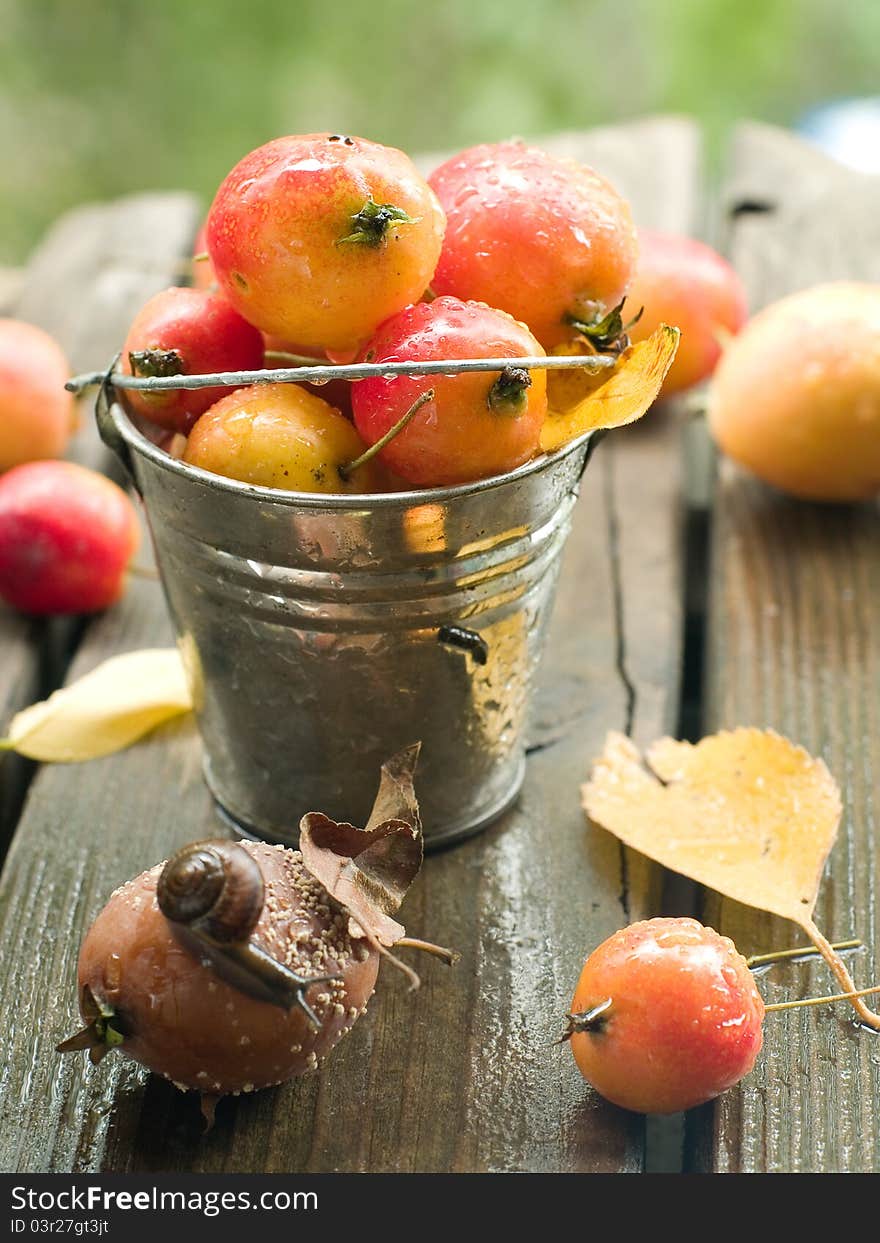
744 812
104 711
581 401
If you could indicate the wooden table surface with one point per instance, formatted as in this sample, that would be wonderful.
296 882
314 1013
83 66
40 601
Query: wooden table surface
687 602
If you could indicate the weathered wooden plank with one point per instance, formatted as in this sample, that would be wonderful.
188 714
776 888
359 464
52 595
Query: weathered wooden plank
83 285
794 644
461 1075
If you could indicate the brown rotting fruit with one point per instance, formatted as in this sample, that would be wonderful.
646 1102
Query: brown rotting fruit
232 967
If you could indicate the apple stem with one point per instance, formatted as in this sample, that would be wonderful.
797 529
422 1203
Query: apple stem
821 1001
347 469
295 360
450 957
800 951
412 976
838 969
587 1021
6 744
201 257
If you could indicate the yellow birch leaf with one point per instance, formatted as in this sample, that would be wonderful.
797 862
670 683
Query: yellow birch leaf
104 711
581 401
744 812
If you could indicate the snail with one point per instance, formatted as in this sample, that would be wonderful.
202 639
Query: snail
233 967
212 894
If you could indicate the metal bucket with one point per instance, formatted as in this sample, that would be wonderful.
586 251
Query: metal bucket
323 633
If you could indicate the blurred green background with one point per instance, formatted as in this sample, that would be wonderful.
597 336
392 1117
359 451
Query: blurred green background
98 97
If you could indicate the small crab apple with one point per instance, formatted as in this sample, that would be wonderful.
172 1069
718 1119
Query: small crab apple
796 396
684 282
473 425
67 535
544 238
317 238
37 415
666 1015
186 332
281 436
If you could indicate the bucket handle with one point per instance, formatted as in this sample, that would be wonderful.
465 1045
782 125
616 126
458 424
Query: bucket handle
107 428
465 640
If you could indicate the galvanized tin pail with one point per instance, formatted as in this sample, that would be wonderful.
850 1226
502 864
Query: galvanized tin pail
323 633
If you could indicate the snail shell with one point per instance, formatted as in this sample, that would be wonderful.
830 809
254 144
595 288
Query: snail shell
215 888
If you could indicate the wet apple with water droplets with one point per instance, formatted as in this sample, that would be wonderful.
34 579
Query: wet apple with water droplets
666 1015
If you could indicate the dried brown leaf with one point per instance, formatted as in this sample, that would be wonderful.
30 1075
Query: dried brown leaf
368 871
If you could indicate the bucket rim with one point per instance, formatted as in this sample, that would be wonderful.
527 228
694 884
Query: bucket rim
135 439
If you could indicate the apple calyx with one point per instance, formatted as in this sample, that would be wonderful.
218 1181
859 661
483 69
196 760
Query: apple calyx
592 1020
607 333
99 1036
372 222
507 396
153 363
